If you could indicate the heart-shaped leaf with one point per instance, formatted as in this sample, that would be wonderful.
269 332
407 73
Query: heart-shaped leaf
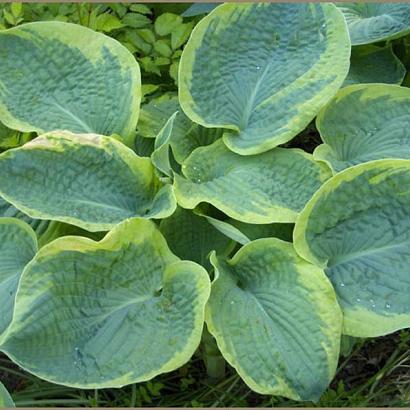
105 314
276 320
58 75
357 226
262 71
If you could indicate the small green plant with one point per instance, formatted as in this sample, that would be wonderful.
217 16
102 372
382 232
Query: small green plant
127 228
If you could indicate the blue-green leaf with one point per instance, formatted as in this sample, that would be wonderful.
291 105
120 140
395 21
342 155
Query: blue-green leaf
57 75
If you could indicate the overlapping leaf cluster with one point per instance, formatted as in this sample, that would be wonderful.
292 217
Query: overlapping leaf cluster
115 217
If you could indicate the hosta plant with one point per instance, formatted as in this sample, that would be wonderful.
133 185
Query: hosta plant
125 229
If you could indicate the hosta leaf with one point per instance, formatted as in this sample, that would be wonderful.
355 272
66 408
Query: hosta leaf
225 228
18 245
197 9
160 155
276 320
186 135
64 76
105 314
7 210
183 143
87 180
243 233
372 22
262 71
364 123
371 64
357 226
282 231
270 187
5 399
192 237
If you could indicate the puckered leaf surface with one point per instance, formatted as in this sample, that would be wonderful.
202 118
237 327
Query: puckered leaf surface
105 314
262 71
86 180
18 245
56 75
372 22
269 187
357 226
275 319
363 123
